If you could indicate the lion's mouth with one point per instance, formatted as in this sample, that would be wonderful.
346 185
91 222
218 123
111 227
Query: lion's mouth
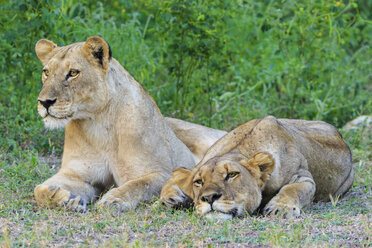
218 210
55 113
233 212
54 122
57 117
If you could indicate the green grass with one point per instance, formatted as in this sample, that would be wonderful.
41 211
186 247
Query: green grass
217 63
346 222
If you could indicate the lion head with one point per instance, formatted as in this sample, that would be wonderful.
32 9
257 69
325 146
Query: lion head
74 80
229 185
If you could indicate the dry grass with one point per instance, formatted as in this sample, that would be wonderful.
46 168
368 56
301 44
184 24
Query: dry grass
348 223
343 222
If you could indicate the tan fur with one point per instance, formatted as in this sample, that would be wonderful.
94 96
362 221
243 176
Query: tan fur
279 164
196 137
116 138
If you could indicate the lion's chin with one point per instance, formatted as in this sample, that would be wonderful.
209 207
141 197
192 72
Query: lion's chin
215 215
55 123
220 210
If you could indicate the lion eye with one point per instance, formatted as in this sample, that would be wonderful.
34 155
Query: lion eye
231 175
46 72
198 182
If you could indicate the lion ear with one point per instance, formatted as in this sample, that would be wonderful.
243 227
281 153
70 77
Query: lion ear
44 50
183 178
260 165
97 51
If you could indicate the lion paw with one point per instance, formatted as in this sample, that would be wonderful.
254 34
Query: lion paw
56 196
76 203
175 198
286 211
113 203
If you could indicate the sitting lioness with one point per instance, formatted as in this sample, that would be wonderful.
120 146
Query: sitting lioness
116 139
276 165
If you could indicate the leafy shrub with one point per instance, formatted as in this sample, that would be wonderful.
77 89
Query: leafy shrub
218 63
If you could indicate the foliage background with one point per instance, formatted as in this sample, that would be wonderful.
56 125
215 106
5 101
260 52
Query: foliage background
218 63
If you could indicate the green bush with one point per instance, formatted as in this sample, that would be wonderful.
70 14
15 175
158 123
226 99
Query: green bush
218 63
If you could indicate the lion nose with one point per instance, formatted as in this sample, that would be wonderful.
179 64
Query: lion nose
47 103
211 197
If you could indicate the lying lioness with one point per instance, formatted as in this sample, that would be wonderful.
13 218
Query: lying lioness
278 164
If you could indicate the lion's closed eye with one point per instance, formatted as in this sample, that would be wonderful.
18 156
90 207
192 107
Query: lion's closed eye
231 175
198 182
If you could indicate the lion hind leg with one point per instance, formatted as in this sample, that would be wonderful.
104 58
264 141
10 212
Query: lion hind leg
196 137
346 185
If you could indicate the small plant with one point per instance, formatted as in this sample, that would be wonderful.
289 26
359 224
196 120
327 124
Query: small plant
334 200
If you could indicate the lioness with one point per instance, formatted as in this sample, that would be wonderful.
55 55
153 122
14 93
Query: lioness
278 164
116 139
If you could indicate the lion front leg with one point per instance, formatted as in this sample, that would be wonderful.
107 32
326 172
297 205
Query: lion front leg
292 197
128 195
64 190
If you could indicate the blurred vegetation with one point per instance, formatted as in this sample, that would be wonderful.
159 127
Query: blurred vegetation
217 62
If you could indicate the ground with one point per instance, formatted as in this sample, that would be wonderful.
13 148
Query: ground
341 222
